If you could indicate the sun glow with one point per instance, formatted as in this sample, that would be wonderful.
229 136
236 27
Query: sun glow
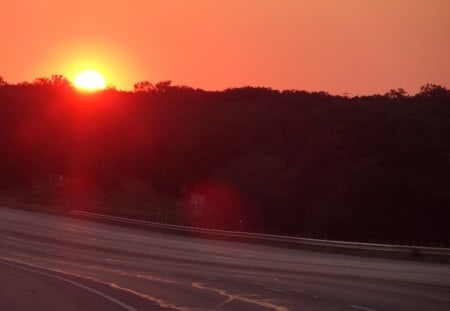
89 80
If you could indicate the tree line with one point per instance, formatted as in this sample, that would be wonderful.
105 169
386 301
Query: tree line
309 163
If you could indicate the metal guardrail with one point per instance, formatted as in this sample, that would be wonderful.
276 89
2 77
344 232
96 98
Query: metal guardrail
416 251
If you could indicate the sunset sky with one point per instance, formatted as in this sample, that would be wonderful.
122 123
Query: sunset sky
340 46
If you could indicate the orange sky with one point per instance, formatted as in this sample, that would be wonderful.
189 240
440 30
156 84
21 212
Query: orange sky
354 46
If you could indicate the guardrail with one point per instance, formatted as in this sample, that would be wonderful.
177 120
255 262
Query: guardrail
401 251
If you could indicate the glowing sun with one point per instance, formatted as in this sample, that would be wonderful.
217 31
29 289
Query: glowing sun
89 80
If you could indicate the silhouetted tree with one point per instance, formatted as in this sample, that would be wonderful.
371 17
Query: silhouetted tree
56 81
432 90
163 86
159 87
396 93
144 86
2 81
60 81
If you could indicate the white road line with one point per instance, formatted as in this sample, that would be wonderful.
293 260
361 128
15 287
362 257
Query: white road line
107 297
275 289
361 308
296 290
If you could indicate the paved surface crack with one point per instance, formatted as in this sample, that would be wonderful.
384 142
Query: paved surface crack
231 297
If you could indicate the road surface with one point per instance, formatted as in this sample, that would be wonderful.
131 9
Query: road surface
56 263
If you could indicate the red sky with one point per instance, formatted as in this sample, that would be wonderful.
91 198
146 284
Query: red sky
354 46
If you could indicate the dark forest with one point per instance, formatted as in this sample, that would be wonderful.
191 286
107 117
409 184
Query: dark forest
365 168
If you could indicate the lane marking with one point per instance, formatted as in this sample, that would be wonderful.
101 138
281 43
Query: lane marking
275 289
296 290
361 308
105 296
159 302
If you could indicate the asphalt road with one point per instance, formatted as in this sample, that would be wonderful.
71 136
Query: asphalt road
57 263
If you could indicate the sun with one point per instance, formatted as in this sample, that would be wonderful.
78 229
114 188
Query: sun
89 80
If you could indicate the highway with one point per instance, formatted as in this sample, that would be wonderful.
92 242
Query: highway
51 262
